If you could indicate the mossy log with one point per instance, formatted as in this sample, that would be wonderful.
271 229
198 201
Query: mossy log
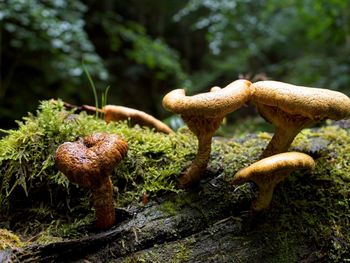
308 219
210 223
170 219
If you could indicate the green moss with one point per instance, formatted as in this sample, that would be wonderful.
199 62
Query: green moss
230 156
173 205
9 240
181 254
170 207
30 183
144 258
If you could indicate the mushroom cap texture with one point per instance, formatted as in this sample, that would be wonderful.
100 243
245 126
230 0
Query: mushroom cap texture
87 159
218 102
287 162
314 103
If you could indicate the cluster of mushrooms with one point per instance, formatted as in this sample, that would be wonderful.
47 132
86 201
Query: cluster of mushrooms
89 161
288 107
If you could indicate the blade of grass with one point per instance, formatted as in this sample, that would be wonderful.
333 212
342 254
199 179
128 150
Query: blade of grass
104 97
92 84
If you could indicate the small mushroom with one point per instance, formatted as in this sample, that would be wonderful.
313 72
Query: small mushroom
120 113
88 163
203 114
291 108
268 172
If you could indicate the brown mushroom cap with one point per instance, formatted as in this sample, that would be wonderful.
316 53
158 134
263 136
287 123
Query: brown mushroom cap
292 108
80 165
85 160
218 102
314 103
88 162
268 172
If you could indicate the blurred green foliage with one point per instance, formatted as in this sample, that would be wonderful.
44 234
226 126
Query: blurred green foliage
143 49
303 42
43 44
152 53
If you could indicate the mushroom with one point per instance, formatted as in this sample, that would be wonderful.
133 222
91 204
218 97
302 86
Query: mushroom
291 108
268 172
88 163
203 114
120 113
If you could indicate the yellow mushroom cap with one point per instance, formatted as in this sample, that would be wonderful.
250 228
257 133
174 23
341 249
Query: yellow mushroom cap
218 102
287 162
314 103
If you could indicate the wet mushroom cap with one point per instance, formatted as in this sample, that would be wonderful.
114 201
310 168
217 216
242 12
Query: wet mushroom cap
218 102
277 163
314 103
109 147
84 160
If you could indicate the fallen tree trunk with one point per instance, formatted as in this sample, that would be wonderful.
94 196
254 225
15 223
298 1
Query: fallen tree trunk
212 223
177 217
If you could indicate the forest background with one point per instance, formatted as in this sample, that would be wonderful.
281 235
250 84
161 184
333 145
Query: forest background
144 48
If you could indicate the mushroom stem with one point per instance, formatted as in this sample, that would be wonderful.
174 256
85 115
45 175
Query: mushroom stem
103 202
263 199
287 127
266 189
193 173
281 140
89 163
204 129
